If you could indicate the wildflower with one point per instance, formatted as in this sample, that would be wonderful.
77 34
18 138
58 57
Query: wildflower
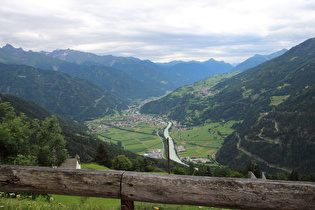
59 203
29 204
18 196
51 199
156 208
12 194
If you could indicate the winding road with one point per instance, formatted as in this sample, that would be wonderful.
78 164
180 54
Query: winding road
173 155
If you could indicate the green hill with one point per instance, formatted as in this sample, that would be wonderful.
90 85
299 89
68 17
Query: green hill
247 96
58 92
186 103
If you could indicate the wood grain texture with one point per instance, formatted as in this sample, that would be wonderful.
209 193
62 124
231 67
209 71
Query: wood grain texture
94 183
160 188
218 192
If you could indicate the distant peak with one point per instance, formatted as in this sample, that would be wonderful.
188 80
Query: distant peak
8 46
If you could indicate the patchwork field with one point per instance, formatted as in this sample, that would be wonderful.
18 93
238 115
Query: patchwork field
202 141
139 137
138 134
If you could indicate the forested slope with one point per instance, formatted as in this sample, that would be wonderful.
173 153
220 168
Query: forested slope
59 92
249 96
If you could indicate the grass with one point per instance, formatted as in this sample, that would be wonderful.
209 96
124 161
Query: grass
132 139
93 166
203 141
75 202
276 100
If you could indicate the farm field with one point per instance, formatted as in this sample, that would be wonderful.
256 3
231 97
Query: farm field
202 141
132 140
138 137
137 133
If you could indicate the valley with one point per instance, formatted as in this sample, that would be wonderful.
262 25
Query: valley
143 134
225 90
127 103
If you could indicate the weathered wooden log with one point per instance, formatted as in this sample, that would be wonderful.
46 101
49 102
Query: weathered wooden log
92 183
218 192
159 188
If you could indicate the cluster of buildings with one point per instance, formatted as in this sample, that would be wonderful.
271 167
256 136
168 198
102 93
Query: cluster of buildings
195 160
154 153
128 118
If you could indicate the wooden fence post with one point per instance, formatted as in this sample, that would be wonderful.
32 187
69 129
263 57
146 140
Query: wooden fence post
168 156
127 205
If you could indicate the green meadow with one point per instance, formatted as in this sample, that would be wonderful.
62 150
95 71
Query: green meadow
202 141
139 138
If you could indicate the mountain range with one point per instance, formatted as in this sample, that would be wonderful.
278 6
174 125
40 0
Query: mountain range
58 92
256 60
143 71
195 70
252 97
117 82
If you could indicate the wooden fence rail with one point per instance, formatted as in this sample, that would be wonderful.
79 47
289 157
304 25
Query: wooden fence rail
160 188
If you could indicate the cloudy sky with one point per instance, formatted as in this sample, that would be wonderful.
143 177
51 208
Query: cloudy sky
159 30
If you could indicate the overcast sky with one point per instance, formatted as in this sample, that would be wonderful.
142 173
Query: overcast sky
159 30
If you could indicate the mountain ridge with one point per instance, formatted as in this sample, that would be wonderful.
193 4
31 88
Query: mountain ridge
256 60
142 70
59 92
196 70
118 82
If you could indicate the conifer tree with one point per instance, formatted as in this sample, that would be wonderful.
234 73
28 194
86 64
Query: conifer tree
101 157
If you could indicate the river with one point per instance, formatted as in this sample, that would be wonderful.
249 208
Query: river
173 155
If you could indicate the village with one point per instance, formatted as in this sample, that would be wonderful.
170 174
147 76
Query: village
130 118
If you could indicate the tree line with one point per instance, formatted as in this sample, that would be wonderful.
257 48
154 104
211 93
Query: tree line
27 141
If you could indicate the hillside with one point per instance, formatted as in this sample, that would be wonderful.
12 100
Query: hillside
256 60
186 103
144 71
283 137
247 96
81 144
58 92
117 82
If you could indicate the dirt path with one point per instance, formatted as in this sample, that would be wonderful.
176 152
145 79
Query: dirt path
257 157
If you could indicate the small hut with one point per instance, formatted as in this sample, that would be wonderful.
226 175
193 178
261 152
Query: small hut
73 163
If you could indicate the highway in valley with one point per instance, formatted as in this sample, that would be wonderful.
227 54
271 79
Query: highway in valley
173 154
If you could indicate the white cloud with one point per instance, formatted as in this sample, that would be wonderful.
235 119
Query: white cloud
159 30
